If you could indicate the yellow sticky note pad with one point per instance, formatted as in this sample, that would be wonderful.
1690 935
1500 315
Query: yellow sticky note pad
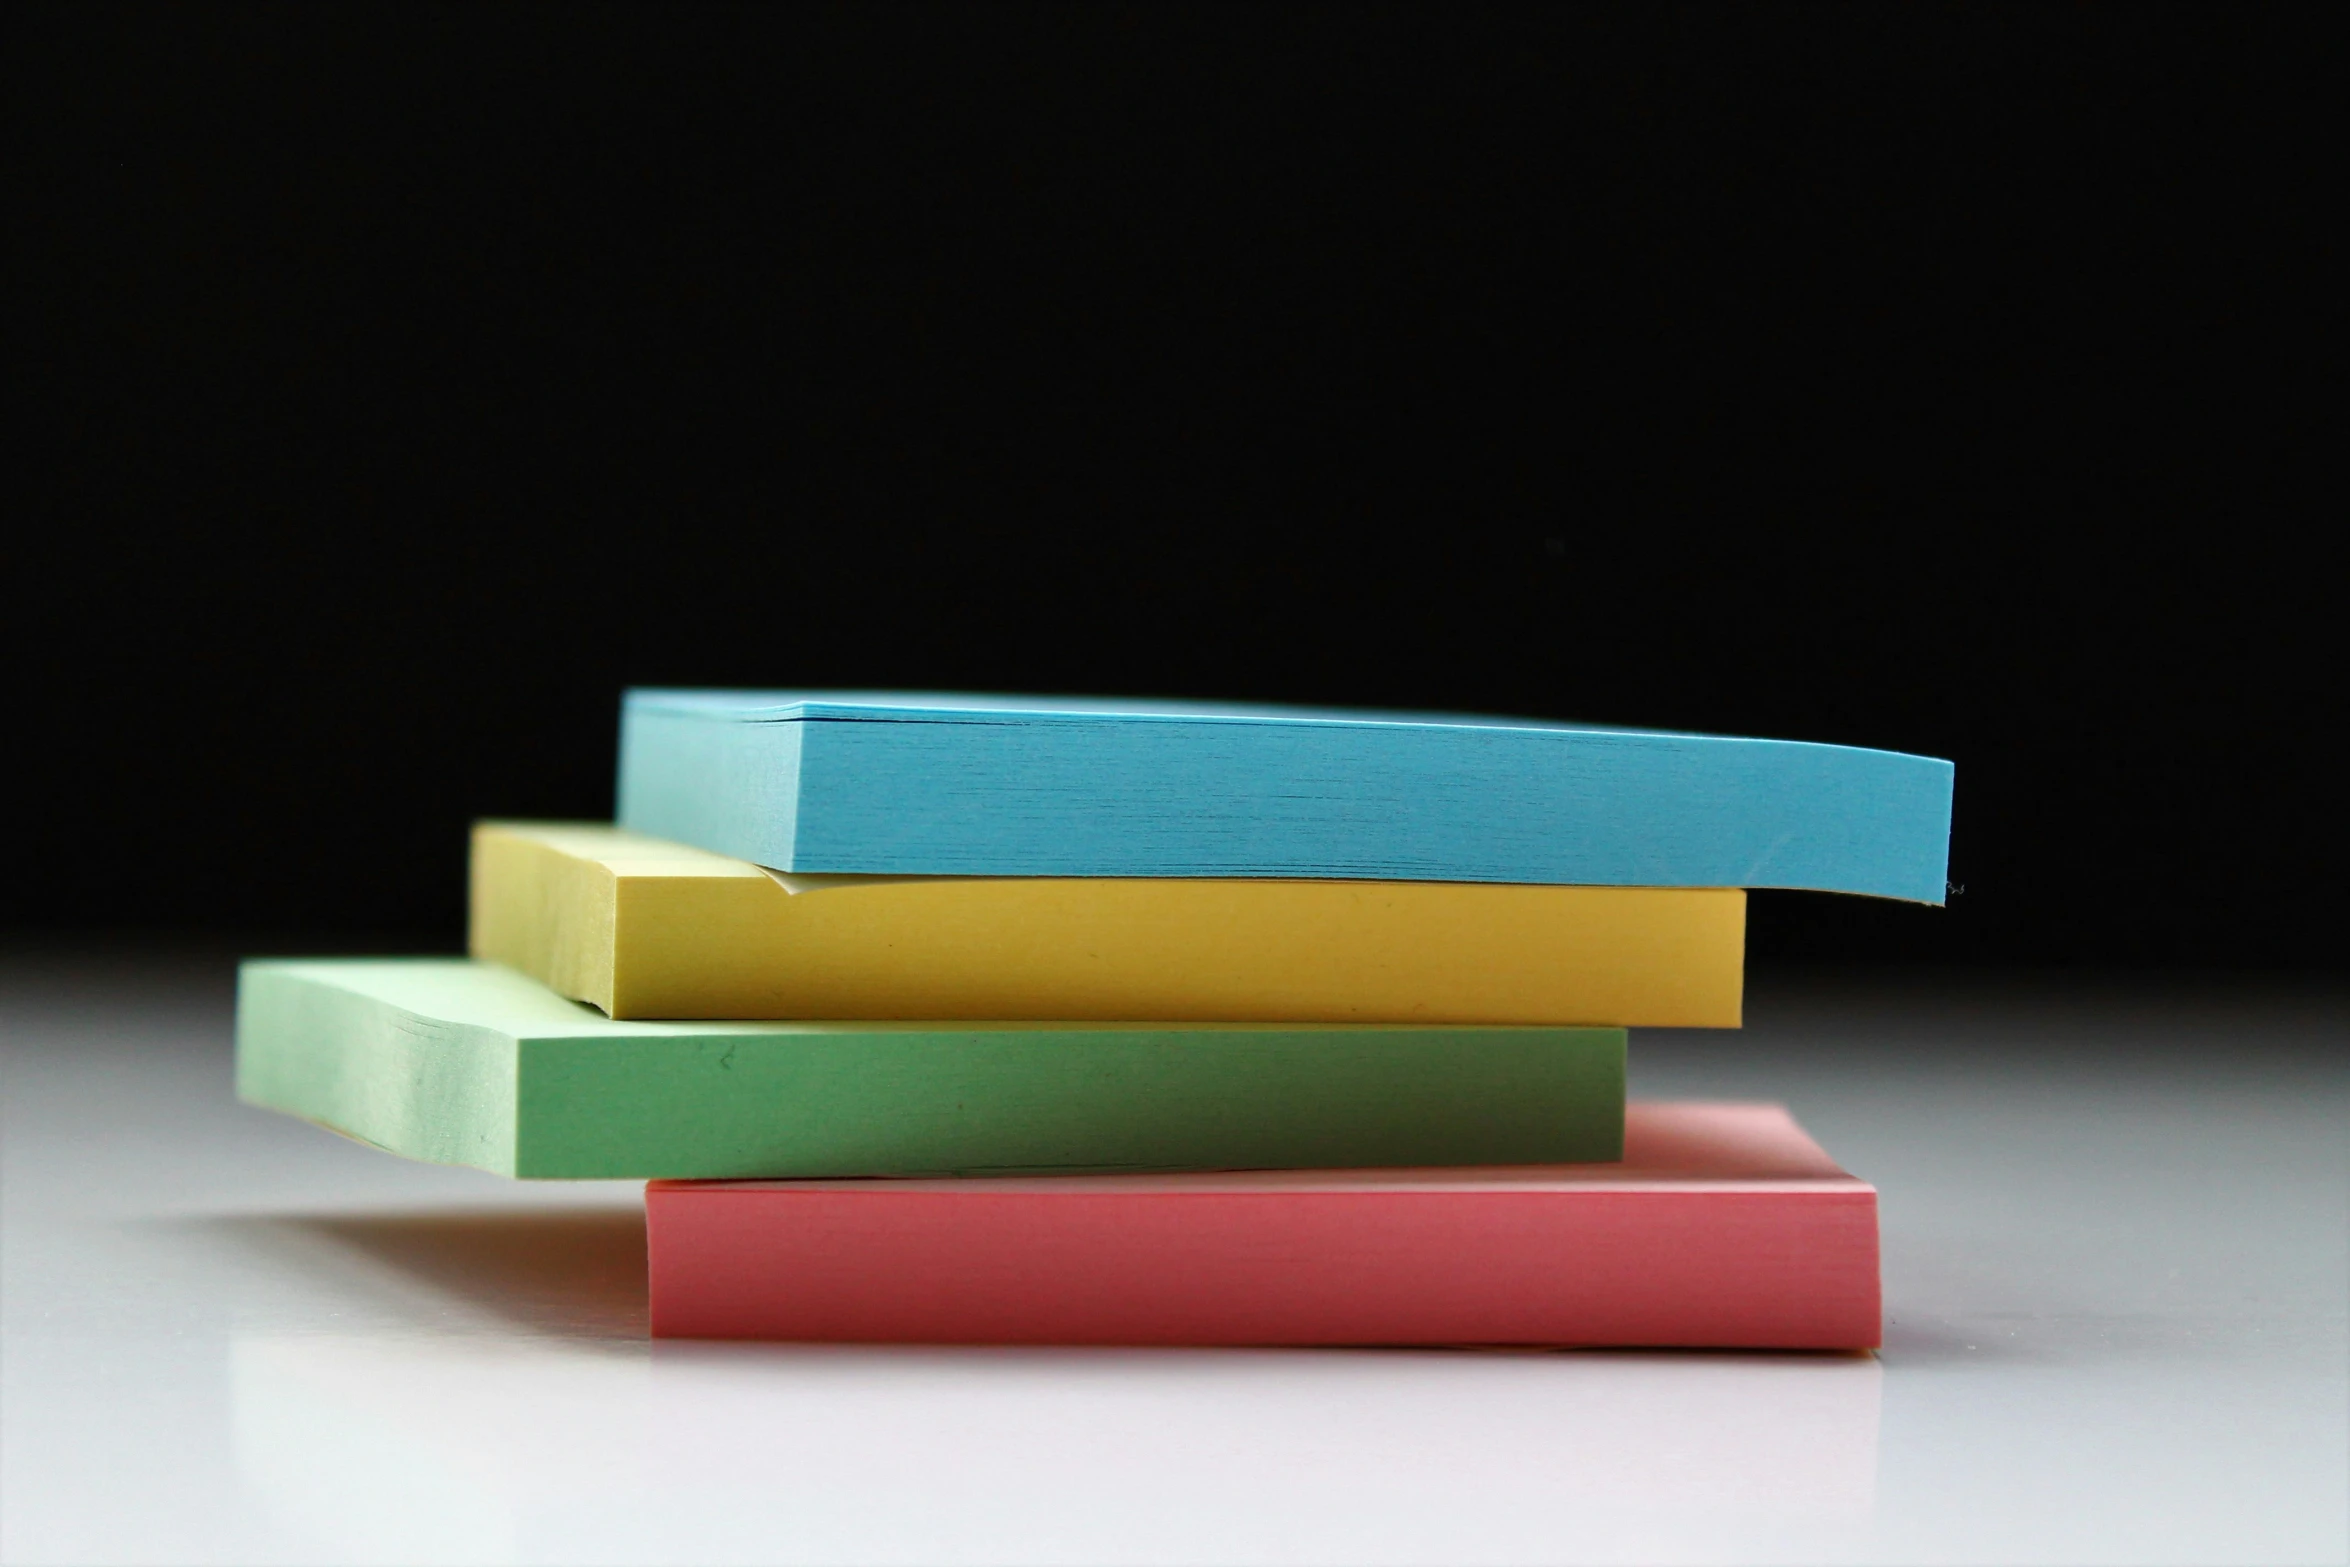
644 928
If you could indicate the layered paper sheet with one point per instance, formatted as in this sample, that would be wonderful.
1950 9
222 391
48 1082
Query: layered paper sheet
1724 1226
470 1063
643 928
899 783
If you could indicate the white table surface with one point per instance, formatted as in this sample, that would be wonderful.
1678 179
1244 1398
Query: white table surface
2115 1256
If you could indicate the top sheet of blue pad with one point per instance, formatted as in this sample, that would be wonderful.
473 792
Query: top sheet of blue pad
916 784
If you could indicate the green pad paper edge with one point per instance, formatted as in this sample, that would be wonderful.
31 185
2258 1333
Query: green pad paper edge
459 1062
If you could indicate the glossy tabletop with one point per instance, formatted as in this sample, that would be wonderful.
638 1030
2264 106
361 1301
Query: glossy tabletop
2115 1226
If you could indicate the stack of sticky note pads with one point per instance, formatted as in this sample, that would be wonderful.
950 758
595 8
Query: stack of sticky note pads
991 1019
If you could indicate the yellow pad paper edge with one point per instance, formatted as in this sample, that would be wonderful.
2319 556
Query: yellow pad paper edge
644 928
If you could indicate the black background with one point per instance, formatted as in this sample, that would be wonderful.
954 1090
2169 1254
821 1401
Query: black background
396 385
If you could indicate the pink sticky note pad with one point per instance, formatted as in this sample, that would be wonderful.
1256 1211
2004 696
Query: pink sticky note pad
1725 1226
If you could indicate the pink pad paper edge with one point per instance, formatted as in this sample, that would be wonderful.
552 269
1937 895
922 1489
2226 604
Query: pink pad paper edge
1725 1226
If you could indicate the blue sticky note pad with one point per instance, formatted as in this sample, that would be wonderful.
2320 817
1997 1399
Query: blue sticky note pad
907 784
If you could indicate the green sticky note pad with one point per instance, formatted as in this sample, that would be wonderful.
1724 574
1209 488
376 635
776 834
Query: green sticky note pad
468 1063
